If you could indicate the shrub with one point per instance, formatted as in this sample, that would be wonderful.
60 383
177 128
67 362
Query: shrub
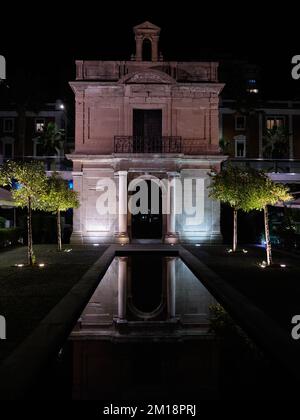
10 236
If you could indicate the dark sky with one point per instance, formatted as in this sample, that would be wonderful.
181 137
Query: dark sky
43 39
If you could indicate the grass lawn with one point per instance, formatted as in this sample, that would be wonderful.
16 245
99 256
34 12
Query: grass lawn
28 294
275 291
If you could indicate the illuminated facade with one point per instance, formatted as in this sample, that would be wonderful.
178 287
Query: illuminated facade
147 118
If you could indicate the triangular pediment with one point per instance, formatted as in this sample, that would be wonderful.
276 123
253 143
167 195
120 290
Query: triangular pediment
147 76
146 25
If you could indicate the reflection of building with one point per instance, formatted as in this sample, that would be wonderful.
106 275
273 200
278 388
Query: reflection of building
141 296
145 117
130 343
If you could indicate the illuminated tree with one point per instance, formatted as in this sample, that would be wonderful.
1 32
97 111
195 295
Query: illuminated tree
59 198
229 186
261 193
28 182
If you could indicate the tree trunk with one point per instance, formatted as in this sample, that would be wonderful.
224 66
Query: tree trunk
59 245
234 242
267 235
29 235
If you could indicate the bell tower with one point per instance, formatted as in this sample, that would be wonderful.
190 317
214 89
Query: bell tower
146 41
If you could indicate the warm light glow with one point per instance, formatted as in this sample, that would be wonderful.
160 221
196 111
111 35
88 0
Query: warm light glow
41 265
263 264
19 265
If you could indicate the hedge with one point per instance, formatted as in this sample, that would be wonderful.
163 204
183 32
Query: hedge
10 236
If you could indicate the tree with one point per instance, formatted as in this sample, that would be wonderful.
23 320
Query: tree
224 145
59 198
276 143
51 139
28 182
229 186
261 193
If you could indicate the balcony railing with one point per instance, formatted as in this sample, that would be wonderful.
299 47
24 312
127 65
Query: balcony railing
268 165
138 144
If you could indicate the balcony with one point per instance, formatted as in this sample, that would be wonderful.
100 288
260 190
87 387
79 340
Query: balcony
138 144
281 170
165 144
267 165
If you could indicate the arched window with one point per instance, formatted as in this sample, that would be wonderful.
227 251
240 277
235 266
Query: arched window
147 50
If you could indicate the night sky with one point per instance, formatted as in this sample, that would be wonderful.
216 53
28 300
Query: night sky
42 40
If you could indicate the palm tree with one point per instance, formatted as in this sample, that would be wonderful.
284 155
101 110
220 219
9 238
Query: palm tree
276 143
51 139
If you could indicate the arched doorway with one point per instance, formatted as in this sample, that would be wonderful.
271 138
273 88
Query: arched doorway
147 50
148 224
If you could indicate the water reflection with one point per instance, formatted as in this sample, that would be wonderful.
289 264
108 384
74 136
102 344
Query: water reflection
146 293
145 334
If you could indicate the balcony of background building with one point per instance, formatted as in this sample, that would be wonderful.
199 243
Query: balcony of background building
282 170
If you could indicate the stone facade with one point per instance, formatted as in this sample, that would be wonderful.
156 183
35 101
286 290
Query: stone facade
107 93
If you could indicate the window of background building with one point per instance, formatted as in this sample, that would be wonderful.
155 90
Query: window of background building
8 150
240 122
8 125
38 149
8 147
39 125
275 122
240 146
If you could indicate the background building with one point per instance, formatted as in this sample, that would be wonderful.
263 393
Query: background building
20 130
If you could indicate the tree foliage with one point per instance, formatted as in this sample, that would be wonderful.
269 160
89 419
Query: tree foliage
51 139
27 180
230 186
262 191
247 190
59 196
276 143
